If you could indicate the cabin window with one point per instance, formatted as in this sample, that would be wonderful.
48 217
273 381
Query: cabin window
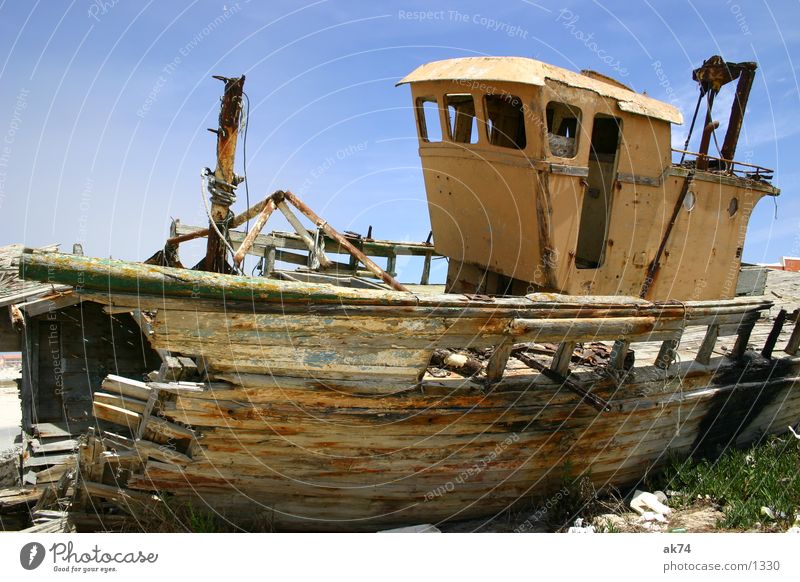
598 194
461 119
563 123
505 121
430 128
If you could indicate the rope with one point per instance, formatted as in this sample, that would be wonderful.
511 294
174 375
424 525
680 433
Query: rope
223 196
204 176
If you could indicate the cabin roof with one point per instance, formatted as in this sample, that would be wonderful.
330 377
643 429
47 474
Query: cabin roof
533 72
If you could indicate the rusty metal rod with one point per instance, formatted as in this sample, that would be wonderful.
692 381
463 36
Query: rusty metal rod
592 399
746 77
248 241
335 235
705 142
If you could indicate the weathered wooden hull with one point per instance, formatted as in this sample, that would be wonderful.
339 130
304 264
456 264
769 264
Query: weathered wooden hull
317 412
315 457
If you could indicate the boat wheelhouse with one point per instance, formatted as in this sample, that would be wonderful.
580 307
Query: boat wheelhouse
540 178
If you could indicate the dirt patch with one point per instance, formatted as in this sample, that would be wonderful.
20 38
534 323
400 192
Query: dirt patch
697 519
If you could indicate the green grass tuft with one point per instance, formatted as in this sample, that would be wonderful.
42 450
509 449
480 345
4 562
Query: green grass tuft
741 482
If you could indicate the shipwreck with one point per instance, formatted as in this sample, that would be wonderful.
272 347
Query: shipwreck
590 323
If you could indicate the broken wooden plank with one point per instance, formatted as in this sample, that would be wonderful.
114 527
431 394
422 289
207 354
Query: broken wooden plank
126 387
47 460
132 404
46 430
248 241
53 447
161 453
17 496
168 429
178 387
96 489
146 412
116 415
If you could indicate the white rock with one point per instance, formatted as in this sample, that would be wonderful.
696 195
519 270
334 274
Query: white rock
661 496
589 529
643 501
768 512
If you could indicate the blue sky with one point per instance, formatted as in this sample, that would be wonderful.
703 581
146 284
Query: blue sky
104 105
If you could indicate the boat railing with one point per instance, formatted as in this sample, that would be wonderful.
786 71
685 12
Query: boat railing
622 332
731 167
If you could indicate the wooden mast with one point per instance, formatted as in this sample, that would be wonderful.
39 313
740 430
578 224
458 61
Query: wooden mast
223 182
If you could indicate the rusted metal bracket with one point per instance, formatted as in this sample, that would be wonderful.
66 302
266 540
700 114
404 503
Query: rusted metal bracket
593 400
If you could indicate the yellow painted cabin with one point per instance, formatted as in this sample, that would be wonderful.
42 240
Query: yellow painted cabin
539 178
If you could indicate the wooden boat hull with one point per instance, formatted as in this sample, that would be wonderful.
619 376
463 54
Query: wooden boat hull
316 413
315 457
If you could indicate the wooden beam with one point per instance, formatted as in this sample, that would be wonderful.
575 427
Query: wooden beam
562 358
794 340
126 387
742 339
707 347
224 176
667 353
774 333
315 253
261 220
330 231
498 360
618 354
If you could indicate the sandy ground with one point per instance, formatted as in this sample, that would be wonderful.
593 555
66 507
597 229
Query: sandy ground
10 413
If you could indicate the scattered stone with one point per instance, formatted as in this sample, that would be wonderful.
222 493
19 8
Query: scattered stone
579 528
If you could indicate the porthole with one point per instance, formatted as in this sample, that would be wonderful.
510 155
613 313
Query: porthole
688 201
733 207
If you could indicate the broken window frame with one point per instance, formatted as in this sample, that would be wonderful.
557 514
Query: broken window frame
455 120
422 119
578 116
489 124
